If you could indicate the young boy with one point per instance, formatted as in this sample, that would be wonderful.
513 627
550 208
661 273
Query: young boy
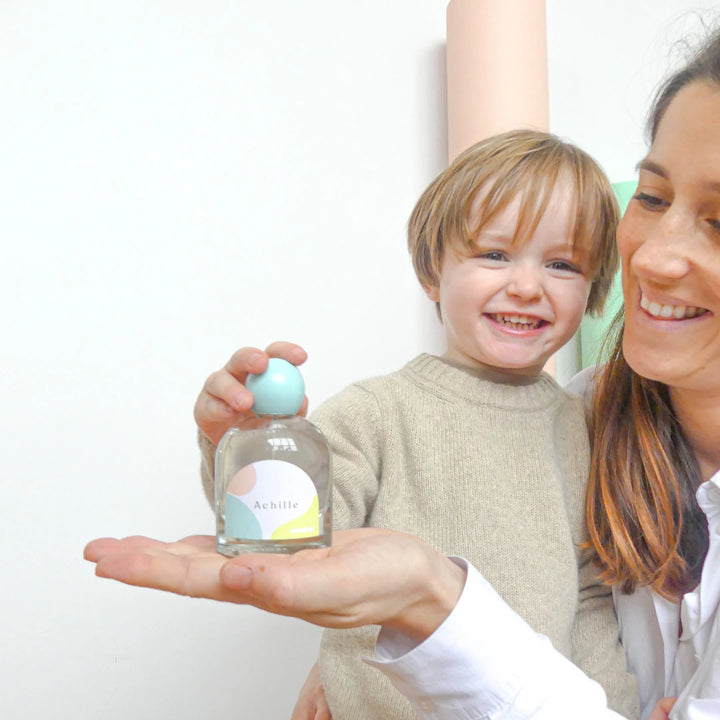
480 453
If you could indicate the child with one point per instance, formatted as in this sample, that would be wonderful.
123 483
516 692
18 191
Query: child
480 453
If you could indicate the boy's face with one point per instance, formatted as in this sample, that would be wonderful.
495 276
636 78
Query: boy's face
510 306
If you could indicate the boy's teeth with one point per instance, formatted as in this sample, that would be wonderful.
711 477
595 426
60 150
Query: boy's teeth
677 312
518 320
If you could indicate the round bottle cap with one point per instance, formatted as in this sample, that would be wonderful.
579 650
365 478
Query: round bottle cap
278 391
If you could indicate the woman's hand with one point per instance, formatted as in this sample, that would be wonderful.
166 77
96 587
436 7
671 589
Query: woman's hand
224 398
368 576
662 709
311 703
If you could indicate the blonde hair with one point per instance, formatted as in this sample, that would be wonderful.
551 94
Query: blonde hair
521 162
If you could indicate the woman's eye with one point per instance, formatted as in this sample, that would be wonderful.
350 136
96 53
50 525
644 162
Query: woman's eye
650 202
714 224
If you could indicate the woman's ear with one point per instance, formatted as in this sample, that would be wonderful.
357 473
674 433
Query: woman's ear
432 292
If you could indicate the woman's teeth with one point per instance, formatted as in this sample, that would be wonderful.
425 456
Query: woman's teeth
518 321
676 312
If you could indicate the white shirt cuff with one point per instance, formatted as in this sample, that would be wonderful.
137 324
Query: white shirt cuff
485 661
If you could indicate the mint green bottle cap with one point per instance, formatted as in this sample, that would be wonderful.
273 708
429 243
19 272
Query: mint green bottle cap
278 391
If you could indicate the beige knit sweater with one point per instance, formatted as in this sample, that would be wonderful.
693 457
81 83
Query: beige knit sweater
481 467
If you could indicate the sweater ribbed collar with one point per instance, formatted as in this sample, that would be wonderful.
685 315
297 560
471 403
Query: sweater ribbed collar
483 385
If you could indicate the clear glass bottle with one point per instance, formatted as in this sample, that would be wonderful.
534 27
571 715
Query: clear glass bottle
273 489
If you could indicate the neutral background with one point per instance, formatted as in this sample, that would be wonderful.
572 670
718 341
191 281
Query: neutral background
178 179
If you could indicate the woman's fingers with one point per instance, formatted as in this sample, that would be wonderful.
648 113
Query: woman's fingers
329 586
103 547
368 576
188 567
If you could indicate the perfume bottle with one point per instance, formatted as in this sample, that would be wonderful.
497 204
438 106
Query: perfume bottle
273 488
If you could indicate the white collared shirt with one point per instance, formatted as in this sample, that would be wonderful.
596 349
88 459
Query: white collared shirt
666 662
485 662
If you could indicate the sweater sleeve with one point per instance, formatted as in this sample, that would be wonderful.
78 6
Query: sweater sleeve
207 467
353 425
596 646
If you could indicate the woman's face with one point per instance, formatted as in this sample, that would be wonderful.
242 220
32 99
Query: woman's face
669 240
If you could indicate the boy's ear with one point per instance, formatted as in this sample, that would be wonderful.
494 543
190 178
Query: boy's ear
432 292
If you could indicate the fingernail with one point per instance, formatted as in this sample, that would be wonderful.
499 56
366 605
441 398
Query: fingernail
236 577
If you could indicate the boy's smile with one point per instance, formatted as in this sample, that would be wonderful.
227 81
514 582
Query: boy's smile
518 322
508 304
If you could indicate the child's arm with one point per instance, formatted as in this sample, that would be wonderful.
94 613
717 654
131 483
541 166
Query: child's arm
352 423
597 650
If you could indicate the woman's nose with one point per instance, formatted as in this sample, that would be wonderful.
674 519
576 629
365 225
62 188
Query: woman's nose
660 254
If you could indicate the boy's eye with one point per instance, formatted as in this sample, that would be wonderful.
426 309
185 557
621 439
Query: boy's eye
564 266
493 255
650 202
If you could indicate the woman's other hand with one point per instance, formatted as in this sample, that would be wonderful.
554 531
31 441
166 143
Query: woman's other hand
662 710
311 703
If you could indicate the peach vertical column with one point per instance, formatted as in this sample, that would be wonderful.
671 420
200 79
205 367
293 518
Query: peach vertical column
497 72
496 69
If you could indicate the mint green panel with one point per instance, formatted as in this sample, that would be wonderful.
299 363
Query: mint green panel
593 329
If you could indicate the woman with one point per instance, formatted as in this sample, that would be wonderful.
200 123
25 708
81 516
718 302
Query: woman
449 642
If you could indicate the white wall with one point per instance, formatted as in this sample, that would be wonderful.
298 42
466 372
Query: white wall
179 178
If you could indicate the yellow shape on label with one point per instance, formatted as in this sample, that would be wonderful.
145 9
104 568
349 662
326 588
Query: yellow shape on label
307 525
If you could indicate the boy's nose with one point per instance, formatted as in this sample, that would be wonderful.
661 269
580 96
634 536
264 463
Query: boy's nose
525 283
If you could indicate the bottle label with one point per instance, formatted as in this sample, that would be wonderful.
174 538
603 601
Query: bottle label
271 500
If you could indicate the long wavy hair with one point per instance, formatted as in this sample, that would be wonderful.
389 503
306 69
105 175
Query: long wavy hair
645 526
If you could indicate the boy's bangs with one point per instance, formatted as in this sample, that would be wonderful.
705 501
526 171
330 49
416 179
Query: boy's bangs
534 183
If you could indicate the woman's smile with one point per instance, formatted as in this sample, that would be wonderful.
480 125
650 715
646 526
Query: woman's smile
669 240
669 311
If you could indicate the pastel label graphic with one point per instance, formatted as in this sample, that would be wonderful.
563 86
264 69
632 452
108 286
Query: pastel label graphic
271 500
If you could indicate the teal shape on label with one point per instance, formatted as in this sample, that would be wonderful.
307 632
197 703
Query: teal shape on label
240 521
